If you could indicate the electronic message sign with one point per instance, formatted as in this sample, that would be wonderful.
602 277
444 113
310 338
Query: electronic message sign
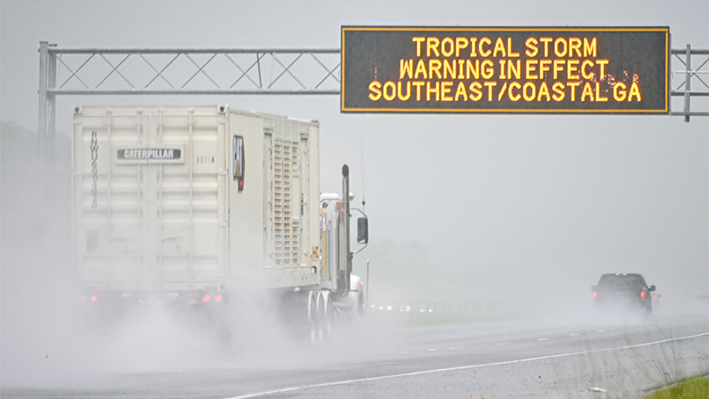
505 70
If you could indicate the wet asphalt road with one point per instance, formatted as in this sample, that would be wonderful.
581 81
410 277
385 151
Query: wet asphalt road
498 360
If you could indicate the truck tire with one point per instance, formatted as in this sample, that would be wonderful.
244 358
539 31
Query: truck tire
325 314
313 319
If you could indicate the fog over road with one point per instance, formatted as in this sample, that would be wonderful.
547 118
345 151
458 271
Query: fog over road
520 359
521 211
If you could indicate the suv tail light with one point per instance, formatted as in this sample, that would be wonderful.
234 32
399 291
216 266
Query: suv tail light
642 294
595 294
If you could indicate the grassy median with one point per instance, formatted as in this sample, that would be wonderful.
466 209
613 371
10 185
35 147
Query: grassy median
694 388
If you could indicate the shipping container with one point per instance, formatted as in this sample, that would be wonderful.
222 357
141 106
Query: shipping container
170 199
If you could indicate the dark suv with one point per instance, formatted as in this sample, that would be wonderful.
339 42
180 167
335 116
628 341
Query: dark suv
623 291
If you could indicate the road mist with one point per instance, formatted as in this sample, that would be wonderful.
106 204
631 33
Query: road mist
50 337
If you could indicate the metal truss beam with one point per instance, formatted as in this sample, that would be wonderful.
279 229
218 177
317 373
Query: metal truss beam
89 92
242 71
687 76
247 73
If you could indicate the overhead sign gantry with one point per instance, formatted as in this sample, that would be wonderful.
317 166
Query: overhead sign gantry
547 61
506 70
516 70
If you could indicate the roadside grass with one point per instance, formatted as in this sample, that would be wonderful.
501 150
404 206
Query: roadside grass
668 369
665 366
694 388
637 367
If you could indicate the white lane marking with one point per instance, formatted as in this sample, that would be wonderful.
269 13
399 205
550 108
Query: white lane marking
472 366
431 350
600 331
543 339
573 334
454 348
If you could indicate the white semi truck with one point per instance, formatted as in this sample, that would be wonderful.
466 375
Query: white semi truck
193 205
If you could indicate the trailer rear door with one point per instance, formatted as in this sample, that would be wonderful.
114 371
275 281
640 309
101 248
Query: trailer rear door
150 198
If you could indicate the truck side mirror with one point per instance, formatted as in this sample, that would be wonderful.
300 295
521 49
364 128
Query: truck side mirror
362 230
652 288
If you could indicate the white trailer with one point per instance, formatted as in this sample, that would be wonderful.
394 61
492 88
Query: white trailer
195 203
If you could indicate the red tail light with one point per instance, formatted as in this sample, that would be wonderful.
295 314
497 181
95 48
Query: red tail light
94 298
642 294
595 294
218 298
82 298
206 298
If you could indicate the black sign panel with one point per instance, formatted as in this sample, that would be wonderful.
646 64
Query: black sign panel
146 154
505 70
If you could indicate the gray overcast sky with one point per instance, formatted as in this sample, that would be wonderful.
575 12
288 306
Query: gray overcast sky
462 207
